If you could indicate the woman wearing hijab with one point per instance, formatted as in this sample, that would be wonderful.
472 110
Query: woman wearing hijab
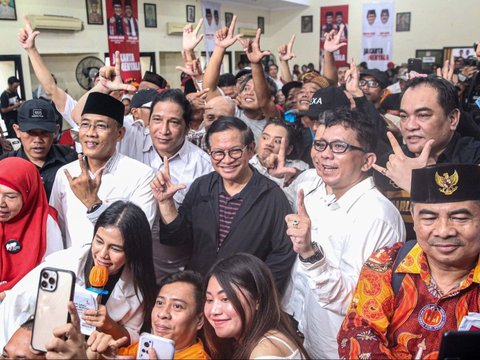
28 227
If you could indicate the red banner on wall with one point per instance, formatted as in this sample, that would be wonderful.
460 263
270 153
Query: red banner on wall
331 17
123 35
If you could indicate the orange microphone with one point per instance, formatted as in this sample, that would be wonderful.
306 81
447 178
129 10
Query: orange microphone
98 278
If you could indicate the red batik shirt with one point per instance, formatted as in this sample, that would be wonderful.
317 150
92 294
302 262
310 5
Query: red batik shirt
380 325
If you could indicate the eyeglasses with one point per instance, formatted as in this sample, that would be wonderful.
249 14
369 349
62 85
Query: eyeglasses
369 83
99 126
234 153
337 146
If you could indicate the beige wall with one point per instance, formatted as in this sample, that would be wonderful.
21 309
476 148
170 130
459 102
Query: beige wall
435 23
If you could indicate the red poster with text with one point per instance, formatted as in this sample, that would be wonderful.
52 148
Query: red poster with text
331 17
122 28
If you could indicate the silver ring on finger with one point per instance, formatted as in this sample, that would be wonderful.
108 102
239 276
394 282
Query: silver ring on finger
295 224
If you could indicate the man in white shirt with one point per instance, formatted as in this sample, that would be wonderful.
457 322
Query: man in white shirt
342 218
84 188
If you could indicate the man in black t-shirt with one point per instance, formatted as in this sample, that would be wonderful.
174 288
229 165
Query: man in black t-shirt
10 102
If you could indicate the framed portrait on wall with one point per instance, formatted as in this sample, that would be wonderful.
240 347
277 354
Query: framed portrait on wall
307 24
190 13
94 12
8 10
456 52
261 23
228 19
150 11
430 58
403 21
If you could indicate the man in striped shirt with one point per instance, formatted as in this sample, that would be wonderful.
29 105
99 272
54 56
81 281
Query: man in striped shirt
233 209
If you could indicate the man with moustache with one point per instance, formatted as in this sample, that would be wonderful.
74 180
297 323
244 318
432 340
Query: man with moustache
36 130
341 219
409 295
429 116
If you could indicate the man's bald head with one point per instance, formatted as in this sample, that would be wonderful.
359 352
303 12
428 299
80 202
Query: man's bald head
216 107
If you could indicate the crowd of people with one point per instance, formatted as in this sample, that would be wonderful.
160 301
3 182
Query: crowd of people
271 213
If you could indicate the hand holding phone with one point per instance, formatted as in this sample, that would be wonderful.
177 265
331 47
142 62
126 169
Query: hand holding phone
164 348
55 291
415 65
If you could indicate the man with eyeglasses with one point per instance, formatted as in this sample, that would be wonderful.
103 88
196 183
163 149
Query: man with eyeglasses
233 209
84 188
341 219
373 83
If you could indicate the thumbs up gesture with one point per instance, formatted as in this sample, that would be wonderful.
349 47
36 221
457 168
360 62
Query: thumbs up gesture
299 226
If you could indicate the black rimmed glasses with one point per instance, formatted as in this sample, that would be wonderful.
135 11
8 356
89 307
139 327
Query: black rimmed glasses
337 146
235 153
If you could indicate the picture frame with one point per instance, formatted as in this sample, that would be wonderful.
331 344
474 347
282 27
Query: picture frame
430 58
307 24
150 11
455 52
94 12
9 12
403 21
190 13
228 19
261 23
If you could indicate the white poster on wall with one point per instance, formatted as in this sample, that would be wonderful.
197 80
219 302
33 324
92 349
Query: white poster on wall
211 23
377 33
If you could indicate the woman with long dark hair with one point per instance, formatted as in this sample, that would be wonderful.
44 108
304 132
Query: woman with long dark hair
245 320
122 242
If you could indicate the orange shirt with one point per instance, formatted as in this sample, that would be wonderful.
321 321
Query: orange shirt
196 351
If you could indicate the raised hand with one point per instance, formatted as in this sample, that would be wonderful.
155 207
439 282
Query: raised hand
224 37
275 163
197 99
399 166
352 77
83 186
105 345
446 71
191 38
67 342
285 52
98 318
26 36
192 68
111 76
162 186
252 48
299 229
332 40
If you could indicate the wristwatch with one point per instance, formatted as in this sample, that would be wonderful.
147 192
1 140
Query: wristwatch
315 257
94 207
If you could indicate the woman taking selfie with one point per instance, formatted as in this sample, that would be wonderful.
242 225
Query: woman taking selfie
245 320
122 242
28 226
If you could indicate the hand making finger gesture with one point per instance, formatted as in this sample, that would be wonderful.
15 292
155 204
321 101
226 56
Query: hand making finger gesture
83 186
352 77
162 186
26 36
332 40
67 342
299 229
224 37
191 38
275 163
285 51
446 71
111 77
104 345
399 166
252 48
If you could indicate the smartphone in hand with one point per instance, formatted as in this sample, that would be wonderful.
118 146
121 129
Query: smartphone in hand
164 348
55 290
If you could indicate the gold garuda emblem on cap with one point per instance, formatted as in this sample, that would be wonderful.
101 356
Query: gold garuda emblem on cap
447 183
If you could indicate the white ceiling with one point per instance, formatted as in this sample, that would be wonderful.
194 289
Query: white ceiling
270 4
